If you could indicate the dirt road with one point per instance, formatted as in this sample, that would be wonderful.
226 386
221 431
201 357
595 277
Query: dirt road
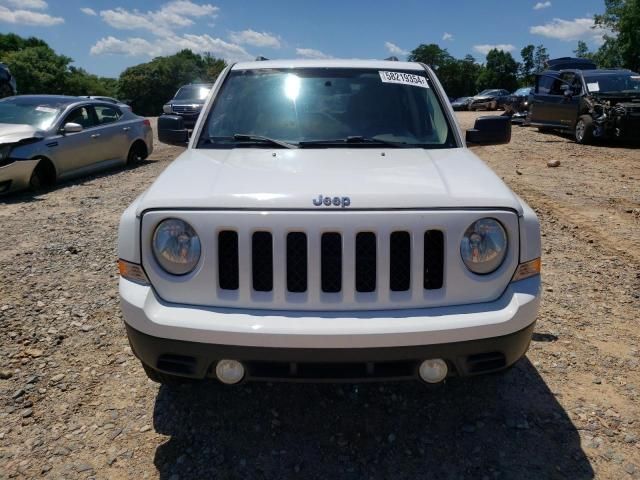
74 402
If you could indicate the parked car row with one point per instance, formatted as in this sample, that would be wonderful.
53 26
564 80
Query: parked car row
46 138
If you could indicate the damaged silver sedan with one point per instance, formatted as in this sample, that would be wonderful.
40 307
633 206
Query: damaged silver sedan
47 138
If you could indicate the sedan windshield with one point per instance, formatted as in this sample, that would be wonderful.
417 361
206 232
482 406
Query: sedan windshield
522 92
27 113
326 107
623 82
192 92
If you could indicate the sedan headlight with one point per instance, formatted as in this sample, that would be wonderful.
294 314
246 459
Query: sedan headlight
167 108
484 246
176 246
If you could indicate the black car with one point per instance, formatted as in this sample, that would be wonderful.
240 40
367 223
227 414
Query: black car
591 104
7 82
487 99
461 103
516 105
188 102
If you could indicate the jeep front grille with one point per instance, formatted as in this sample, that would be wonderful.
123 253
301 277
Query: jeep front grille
332 262
188 109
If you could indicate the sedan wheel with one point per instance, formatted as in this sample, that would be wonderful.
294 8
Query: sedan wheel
135 154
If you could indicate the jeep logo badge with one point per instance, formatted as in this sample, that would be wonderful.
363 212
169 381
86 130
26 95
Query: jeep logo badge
342 202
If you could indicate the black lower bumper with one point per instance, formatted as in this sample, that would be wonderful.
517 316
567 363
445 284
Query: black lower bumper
198 360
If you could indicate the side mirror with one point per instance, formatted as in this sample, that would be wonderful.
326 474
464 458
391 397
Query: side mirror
171 130
492 130
71 128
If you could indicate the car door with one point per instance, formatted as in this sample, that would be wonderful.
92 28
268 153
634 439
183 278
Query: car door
113 132
73 151
567 110
546 97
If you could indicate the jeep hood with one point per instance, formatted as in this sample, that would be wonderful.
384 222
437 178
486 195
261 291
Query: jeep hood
15 133
251 178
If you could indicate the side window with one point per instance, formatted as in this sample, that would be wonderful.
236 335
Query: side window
81 116
545 84
573 81
106 114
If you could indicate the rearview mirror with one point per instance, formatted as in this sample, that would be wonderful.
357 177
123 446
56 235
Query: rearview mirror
171 130
71 128
491 130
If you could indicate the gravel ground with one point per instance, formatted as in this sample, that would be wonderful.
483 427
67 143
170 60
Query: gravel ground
75 403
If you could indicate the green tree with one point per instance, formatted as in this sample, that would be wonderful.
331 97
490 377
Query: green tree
540 59
500 71
582 50
527 67
621 48
431 55
148 86
38 69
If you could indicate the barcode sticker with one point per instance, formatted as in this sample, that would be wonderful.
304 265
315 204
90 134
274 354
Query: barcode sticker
403 79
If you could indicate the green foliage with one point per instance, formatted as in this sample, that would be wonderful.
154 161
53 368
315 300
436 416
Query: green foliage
500 71
621 48
528 65
148 86
38 69
540 59
431 55
582 50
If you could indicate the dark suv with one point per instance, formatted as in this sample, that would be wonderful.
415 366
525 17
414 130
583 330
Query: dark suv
589 103
188 102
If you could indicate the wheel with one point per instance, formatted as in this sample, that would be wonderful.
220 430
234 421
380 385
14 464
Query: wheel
165 378
584 130
41 177
136 153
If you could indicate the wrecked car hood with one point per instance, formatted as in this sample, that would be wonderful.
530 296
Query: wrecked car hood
15 133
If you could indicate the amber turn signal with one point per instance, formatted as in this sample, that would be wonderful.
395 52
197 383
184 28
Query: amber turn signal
132 272
527 269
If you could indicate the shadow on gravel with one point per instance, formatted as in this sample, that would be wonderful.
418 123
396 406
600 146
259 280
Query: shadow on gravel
506 426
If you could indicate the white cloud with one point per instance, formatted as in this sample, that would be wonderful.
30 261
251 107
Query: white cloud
485 49
447 36
88 11
172 15
311 53
137 46
28 17
28 4
394 49
541 5
256 39
570 30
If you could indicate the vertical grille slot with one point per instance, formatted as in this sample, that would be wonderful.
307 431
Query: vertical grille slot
228 260
262 261
297 262
433 259
400 261
331 262
365 262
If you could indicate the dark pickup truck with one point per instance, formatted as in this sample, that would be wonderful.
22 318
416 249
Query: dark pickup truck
590 103
188 102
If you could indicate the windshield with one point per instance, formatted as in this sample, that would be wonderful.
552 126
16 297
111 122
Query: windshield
623 82
522 92
38 116
322 106
192 92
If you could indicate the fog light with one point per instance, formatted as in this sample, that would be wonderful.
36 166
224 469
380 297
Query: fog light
434 370
229 371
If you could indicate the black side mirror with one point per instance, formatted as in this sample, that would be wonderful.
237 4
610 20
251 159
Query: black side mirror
492 130
171 130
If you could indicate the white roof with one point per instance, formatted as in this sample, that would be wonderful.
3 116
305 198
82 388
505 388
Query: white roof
328 63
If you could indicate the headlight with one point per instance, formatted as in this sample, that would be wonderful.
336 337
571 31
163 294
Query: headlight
176 246
484 246
167 108
4 155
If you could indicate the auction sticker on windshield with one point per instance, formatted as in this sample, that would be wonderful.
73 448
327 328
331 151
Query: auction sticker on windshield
403 78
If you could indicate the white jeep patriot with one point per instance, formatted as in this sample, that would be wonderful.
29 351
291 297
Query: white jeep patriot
328 222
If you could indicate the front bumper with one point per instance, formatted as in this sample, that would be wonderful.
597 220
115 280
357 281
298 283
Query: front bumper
160 333
16 175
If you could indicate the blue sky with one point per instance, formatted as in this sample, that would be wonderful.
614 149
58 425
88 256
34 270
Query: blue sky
106 36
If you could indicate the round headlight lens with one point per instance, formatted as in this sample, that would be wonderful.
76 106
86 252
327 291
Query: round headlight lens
484 246
176 246
167 108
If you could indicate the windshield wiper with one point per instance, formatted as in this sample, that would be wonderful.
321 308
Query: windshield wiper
356 139
247 137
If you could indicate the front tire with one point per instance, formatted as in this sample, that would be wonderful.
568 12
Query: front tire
41 177
136 154
584 130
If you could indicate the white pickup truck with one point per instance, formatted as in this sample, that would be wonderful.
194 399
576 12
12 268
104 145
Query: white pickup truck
328 222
